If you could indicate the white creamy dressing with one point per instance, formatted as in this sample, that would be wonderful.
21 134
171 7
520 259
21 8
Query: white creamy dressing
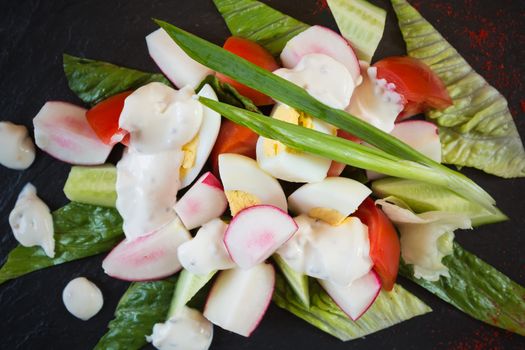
82 298
147 186
324 78
186 330
339 254
206 251
17 150
375 101
31 221
160 120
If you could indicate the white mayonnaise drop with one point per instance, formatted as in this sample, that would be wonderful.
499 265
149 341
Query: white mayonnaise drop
339 254
82 298
147 186
186 330
206 251
31 221
323 78
17 150
160 118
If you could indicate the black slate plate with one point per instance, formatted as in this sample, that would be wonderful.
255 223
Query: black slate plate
33 36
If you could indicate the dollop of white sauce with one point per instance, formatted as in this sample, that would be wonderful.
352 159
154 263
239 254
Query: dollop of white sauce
160 118
82 298
376 102
147 186
339 254
186 330
324 78
206 251
17 150
31 221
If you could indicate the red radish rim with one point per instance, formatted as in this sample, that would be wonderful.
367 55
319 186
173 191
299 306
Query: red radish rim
215 182
267 302
249 208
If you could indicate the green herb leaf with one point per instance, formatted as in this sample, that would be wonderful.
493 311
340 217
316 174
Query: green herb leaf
282 90
81 230
259 22
94 81
477 289
389 309
228 94
478 130
143 305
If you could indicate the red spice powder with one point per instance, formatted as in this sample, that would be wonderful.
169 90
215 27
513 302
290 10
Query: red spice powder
320 6
480 339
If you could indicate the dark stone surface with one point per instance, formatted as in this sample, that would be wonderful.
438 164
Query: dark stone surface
34 34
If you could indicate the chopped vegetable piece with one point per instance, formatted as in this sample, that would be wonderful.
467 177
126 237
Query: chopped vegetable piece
389 308
228 94
296 280
143 305
259 22
256 54
478 289
361 23
81 230
416 82
104 117
188 284
478 130
296 97
384 243
92 185
95 81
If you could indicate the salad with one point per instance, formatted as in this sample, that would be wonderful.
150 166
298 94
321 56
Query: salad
320 191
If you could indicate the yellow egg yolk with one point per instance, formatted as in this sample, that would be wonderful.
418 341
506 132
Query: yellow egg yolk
238 200
328 215
190 154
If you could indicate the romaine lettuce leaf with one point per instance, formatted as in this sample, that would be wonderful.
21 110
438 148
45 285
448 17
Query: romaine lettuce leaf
477 289
259 22
389 309
143 305
478 129
81 230
94 81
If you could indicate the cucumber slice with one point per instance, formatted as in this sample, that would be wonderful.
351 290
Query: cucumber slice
188 285
361 23
92 185
296 280
422 197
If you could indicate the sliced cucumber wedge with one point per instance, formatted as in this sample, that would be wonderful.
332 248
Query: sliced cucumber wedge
361 23
296 280
188 285
92 185
422 197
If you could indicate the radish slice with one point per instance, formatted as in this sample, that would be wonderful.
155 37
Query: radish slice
148 257
331 200
204 201
256 232
239 298
62 130
318 39
180 68
356 298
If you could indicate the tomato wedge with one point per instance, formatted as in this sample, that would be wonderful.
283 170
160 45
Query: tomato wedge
419 85
233 138
104 117
256 54
384 242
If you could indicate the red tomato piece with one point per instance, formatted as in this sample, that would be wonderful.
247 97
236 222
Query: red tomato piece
104 117
256 54
233 138
384 242
419 85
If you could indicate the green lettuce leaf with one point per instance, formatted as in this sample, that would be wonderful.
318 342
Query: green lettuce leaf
94 81
389 309
259 22
477 289
477 130
81 230
143 305
228 94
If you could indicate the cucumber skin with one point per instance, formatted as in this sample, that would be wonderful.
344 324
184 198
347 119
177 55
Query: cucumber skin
94 185
188 285
296 280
